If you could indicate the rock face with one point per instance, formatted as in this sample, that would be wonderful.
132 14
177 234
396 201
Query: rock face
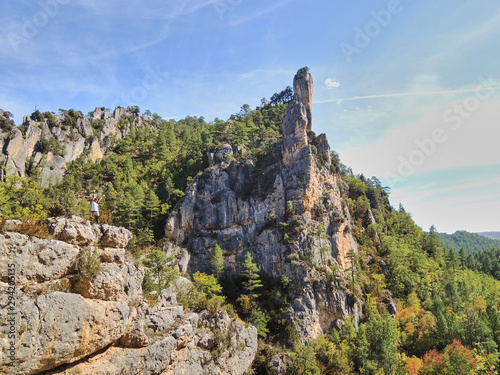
292 219
303 88
63 325
49 144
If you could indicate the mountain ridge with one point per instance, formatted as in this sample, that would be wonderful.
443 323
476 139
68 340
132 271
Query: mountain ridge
472 243
494 235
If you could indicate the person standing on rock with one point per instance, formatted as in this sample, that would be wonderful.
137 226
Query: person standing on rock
94 207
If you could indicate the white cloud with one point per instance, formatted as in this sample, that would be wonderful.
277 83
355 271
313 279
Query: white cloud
472 143
330 83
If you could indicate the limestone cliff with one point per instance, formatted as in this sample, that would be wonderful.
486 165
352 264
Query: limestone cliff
54 323
292 218
49 142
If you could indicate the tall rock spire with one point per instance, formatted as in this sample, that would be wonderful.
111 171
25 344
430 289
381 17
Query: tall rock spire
303 89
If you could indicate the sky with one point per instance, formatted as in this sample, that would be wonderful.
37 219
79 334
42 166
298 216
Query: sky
405 90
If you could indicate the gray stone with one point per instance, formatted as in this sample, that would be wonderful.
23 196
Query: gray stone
303 88
223 152
60 332
37 260
115 236
59 328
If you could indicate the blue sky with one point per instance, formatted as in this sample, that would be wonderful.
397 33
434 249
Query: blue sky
405 90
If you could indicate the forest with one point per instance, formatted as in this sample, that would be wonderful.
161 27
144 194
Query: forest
428 307
471 243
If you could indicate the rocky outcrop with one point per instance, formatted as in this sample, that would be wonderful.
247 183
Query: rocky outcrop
175 343
55 322
303 89
49 143
291 218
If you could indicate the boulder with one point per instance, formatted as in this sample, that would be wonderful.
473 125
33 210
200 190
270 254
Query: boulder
59 328
223 152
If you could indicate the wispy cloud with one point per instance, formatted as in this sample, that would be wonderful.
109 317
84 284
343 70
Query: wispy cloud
251 16
416 93
154 9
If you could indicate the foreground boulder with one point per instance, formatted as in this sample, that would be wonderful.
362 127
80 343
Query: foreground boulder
58 323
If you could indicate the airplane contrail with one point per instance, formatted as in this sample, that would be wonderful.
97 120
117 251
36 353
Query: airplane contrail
416 93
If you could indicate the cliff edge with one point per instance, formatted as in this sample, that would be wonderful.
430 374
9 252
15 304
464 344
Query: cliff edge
59 323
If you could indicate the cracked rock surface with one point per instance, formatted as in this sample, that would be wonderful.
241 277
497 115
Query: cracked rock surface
63 325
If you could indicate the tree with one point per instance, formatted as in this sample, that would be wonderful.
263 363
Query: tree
353 269
452 260
217 261
433 364
259 319
207 284
282 97
462 257
382 336
459 359
250 273
158 263
152 205
432 244
6 124
303 362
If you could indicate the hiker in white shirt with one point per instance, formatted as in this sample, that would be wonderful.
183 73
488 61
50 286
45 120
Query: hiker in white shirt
94 207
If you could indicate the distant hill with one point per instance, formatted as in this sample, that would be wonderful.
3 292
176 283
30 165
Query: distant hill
472 243
492 235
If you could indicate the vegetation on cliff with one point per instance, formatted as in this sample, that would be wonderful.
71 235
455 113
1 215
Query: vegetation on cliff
144 174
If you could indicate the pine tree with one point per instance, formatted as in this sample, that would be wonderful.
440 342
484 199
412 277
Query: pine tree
353 270
152 205
250 272
463 258
217 261
158 263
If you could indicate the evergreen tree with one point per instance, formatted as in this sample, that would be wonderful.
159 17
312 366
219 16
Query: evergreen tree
353 270
217 261
452 260
158 264
250 273
152 205
462 257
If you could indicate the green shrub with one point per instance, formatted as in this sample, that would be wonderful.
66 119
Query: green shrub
6 125
50 144
303 362
88 264
259 319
